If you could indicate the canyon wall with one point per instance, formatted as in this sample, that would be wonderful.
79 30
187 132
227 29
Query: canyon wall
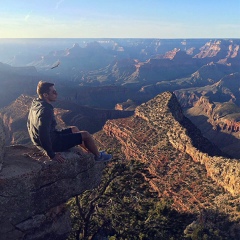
219 122
228 121
160 123
2 143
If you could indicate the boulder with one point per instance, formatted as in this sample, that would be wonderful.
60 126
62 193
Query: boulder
34 190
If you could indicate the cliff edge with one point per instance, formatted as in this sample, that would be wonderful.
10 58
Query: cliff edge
34 190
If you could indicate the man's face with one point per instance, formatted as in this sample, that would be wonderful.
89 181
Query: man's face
51 96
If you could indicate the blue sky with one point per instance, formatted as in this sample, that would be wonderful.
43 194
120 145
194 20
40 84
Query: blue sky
120 19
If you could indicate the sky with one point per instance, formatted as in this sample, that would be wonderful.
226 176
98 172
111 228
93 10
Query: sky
120 19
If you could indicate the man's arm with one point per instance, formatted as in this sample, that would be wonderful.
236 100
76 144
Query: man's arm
44 135
45 121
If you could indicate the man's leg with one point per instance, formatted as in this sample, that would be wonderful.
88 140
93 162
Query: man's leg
75 129
88 142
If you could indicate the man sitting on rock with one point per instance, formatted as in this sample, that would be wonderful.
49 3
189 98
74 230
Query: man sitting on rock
43 133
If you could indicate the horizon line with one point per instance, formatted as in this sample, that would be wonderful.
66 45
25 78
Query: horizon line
117 38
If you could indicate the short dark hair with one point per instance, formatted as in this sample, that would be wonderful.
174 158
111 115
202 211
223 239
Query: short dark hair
43 87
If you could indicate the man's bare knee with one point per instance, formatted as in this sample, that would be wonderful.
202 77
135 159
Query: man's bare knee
89 143
74 129
85 135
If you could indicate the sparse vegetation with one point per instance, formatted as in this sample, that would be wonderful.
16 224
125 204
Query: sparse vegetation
124 206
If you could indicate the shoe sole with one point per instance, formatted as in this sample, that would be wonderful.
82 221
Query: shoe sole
103 160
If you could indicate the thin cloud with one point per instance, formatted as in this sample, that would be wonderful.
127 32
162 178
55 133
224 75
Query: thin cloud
58 4
27 16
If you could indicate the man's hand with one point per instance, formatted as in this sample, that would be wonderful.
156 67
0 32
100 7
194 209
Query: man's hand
84 147
59 158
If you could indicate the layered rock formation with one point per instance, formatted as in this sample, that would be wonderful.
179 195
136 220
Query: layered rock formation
14 119
223 116
219 122
2 143
183 164
226 89
129 105
34 190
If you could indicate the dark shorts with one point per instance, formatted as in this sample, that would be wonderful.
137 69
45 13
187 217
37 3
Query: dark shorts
65 139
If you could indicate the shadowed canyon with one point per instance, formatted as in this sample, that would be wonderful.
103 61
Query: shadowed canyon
172 105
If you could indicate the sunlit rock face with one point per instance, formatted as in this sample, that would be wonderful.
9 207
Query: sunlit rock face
35 189
181 165
159 128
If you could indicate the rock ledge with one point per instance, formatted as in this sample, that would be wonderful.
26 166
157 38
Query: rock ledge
33 187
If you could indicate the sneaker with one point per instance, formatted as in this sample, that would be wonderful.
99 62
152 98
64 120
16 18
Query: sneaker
103 157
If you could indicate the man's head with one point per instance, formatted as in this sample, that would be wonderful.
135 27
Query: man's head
46 91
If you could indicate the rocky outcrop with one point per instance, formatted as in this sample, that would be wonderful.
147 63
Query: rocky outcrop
224 90
206 104
2 143
222 170
222 51
129 105
210 49
159 125
219 122
14 119
33 191
222 116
